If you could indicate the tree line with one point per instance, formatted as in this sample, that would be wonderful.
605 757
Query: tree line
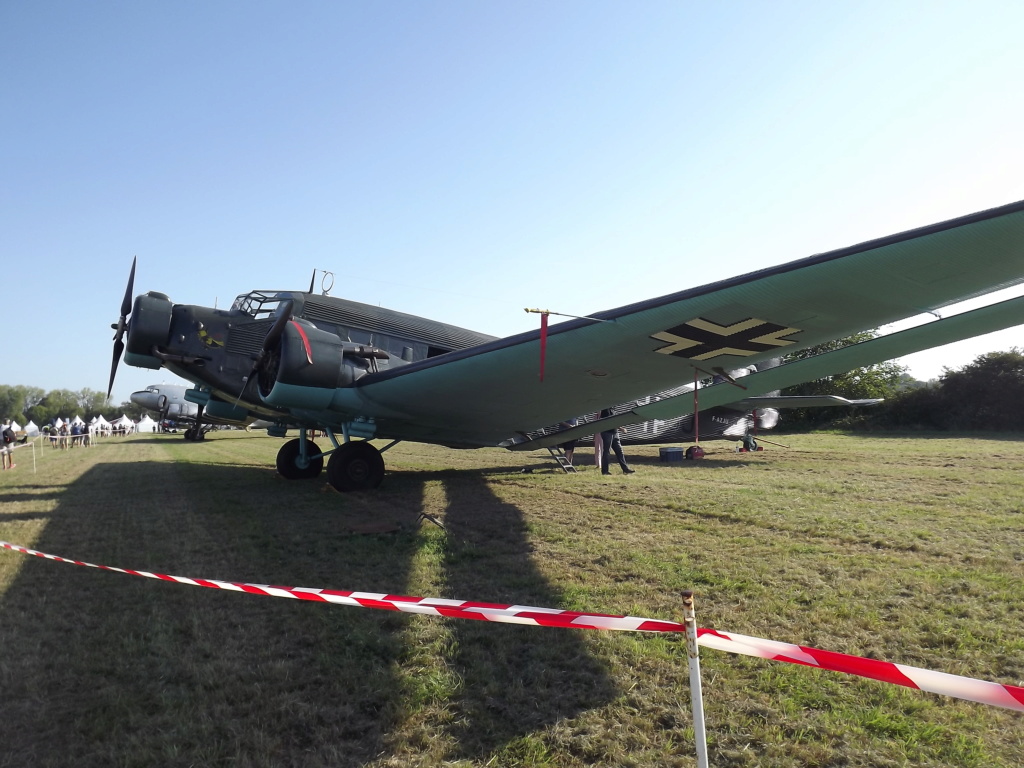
984 395
24 404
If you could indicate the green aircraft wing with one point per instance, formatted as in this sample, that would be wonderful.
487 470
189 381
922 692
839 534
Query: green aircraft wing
487 393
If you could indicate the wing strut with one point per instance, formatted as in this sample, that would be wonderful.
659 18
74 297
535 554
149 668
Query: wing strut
696 410
543 341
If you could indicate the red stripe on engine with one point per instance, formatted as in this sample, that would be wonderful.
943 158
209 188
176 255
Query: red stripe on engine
305 341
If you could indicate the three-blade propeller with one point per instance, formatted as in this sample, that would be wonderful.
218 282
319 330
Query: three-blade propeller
270 342
121 326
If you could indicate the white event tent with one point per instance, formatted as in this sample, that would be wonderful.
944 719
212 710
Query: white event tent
146 424
123 423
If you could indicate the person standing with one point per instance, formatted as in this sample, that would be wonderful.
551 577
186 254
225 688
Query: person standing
7 442
598 444
611 442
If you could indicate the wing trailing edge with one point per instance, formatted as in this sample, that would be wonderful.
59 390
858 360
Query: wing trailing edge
801 401
994 317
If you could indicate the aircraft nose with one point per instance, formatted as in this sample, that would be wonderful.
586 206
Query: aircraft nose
149 400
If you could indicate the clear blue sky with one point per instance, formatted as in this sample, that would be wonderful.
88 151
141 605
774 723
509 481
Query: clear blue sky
463 160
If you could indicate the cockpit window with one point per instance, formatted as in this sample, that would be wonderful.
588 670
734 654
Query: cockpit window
257 304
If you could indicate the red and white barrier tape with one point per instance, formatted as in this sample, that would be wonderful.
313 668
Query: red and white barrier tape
995 694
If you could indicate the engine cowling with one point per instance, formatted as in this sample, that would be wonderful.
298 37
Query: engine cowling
150 327
307 365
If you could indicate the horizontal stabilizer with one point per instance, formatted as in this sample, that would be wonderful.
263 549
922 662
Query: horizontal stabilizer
800 401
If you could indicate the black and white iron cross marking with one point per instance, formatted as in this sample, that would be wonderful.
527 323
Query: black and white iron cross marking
701 339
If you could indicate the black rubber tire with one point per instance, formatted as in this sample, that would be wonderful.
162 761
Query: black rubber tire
355 467
289 455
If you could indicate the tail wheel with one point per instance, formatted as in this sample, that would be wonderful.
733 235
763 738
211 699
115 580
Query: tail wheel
355 467
291 466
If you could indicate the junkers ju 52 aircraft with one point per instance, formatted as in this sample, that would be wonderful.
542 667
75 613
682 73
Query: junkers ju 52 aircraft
360 372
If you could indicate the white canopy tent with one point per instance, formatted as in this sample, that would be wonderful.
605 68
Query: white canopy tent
77 420
15 426
31 429
123 423
146 424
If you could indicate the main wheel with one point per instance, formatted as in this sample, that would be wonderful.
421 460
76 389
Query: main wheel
291 466
355 467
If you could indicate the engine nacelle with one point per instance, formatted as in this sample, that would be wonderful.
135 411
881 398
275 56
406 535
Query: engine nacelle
150 327
307 366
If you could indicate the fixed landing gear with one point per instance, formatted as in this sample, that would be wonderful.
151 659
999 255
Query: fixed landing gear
291 464
356 466
352 466
195 432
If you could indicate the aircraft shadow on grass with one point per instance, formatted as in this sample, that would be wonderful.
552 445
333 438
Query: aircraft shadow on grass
106 667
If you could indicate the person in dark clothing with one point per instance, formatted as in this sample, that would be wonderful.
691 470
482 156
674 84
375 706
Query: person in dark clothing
7 442
610 442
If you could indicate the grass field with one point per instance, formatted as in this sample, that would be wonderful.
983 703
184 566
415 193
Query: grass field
907 549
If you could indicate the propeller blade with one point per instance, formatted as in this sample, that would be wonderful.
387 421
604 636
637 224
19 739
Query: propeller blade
126 303
122 324
269 342
278 327
118 349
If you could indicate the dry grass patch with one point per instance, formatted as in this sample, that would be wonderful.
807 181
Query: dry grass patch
908 549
